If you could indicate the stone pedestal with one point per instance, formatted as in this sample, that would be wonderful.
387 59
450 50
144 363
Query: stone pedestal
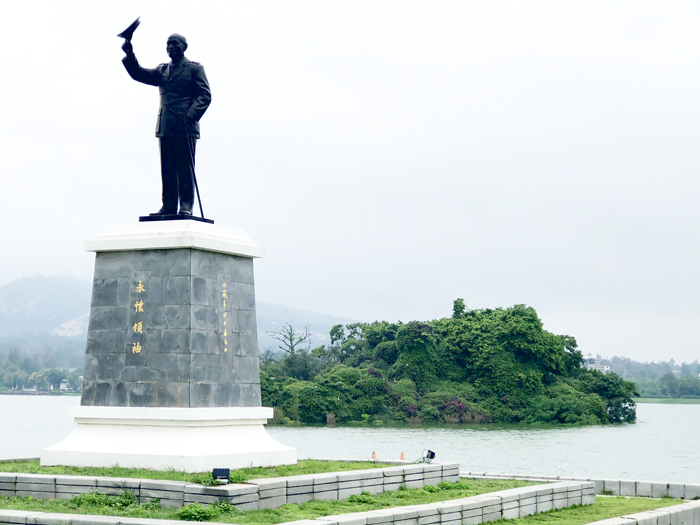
171 364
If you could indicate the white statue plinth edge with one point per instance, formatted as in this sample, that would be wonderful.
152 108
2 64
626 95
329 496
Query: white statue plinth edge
188 439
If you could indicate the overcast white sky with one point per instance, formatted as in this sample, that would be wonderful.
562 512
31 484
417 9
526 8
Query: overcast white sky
390 156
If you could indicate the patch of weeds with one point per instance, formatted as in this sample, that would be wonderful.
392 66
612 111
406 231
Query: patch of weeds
238 476
204 478
402 493
442 486
225 508
365 497
126 498
154 504
94 499
196 512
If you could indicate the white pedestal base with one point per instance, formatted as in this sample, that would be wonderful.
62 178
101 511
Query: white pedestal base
189 439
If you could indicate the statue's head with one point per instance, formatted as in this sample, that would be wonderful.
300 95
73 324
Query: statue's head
176 46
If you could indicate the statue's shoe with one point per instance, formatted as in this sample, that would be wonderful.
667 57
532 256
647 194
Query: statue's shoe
185 211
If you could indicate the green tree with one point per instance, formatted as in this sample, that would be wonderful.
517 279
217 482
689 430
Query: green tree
403 400
387 352
54 376
616 392
301 365
348 345
14 356
669 384
39 380
309 400
75 380
417 354
29 365
379 332
13 377
688 386
458 308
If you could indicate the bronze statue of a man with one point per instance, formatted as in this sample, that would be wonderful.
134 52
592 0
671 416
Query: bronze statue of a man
184 97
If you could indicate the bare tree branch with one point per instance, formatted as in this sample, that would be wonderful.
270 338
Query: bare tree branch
291 338
267 357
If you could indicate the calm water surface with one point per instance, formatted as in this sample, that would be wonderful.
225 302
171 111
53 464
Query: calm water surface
663 446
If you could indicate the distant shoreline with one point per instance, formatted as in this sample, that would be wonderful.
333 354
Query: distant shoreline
13 393
669 400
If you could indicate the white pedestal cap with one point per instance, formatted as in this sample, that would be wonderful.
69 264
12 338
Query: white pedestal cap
160 235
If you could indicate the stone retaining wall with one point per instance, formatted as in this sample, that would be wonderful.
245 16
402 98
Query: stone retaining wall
255 494
617 487
685 514
507 504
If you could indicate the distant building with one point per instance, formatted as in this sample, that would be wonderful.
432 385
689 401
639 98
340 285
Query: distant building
594 363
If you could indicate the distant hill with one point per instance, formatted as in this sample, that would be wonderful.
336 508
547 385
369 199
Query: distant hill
38 304
57 308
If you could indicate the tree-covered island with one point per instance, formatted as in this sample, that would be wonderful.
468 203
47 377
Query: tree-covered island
477 366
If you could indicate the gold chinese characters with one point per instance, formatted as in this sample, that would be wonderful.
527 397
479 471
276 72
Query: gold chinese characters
138 325
223 296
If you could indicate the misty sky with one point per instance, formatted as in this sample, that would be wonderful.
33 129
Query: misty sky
390 156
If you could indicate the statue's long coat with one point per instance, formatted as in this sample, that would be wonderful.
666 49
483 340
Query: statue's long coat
184 90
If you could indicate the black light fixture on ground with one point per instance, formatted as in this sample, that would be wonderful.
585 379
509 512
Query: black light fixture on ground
221 475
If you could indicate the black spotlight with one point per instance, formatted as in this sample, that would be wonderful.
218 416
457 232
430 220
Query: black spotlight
428 455
221 475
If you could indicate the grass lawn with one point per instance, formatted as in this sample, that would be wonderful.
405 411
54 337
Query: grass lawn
307 466
668 400
605 507
125 505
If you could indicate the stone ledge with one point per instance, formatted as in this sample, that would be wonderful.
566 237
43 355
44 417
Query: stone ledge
464 511
20 517
618 487
259 493
174 235
683 514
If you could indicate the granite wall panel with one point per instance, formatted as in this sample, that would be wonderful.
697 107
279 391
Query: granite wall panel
172 328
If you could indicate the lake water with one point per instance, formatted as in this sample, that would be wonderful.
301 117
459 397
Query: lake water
663 446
